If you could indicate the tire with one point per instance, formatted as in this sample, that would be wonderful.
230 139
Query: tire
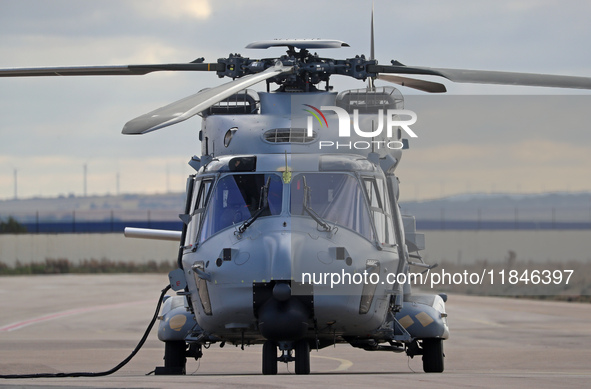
302 357
433 355
175 355
269 358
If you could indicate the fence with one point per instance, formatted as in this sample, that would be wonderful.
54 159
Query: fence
101 221
466 216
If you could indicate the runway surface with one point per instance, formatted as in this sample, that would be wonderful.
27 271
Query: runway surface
67 323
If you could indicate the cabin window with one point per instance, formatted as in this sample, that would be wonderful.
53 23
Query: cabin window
336 197
237 197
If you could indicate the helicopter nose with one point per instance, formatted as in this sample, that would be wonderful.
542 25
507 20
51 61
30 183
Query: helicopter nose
282 292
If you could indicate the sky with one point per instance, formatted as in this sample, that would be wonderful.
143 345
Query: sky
477 139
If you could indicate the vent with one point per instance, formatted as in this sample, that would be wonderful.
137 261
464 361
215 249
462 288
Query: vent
369 101
241 103
289 135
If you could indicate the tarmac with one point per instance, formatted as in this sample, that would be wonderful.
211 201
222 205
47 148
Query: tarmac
89 323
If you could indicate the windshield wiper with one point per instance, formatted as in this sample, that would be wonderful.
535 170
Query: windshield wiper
263 205
317 218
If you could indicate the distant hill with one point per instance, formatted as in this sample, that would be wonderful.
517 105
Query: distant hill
169 201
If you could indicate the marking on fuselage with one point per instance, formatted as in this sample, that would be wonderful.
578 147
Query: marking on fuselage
177 322
406 321
424 319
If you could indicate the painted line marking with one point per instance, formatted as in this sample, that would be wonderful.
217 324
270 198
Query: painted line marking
70 312
345 364
489 323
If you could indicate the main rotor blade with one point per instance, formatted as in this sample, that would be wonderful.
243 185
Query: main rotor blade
115 70
190 106
489 77
425 86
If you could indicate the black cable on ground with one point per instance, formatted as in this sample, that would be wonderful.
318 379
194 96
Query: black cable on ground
101 373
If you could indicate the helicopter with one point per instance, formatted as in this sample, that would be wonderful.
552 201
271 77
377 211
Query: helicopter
292 226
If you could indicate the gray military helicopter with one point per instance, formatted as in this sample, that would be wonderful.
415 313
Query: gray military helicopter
293 237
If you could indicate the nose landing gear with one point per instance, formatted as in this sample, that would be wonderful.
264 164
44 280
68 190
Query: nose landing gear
302 356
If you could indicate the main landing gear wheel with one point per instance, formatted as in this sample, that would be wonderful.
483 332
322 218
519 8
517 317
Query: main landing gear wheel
302 357
175 356
269 358
433 355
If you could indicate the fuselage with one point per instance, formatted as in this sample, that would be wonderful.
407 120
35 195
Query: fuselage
287 239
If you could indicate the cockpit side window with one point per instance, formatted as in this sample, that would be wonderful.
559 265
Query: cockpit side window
377 196
237 197
200 198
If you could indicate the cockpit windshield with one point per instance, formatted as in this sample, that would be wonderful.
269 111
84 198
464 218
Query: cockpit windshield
237 197
331 199
336 198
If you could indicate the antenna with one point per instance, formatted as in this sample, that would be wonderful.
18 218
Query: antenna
167 178
85 176
15 184
370 80
372 53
